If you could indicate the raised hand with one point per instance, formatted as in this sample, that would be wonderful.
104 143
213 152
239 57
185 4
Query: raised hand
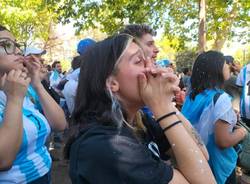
157 86
15 84
33 66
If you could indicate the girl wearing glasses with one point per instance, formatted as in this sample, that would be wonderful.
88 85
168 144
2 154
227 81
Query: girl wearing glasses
23 129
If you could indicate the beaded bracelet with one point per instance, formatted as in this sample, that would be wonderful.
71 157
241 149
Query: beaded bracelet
170 126
165 116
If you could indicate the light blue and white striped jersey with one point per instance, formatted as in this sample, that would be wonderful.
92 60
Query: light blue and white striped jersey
243 79
33 159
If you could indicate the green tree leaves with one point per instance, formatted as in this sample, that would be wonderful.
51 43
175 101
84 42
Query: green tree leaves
28 19
179 18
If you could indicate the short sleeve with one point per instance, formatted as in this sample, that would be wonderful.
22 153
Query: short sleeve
116 159
69 93
211 114
230 117
240 78
224 110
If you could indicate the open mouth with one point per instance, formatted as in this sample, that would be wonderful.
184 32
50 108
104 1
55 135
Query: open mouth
154 57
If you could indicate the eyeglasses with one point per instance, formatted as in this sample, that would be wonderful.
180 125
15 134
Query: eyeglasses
8 46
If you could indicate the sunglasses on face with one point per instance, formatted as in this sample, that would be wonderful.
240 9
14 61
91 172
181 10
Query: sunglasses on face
8 46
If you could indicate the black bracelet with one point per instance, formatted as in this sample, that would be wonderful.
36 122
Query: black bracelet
165 116
170 126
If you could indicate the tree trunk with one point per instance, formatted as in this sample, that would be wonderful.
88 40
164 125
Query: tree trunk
202 26
46 41
219 42
223 34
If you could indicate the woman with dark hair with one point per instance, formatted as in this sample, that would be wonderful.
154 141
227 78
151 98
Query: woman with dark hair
24 157
115 143
210 111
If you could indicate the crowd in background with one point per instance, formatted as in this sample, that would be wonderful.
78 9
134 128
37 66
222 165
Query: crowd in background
134 119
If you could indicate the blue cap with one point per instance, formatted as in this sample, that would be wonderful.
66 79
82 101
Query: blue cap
84 44
163 63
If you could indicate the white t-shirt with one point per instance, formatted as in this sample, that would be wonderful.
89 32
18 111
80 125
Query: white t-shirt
69 93
243 80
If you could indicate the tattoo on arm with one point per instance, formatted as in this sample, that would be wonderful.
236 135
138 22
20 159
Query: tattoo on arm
197 137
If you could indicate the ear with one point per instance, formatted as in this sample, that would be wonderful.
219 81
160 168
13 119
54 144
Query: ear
112 84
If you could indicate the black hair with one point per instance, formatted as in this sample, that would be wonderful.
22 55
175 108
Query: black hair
92 98
229 59
94 102
76 62
207 72
2 28
185 70
138 30
48 67
54 64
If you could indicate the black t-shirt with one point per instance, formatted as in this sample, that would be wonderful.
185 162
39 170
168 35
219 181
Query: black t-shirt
105 154
156 134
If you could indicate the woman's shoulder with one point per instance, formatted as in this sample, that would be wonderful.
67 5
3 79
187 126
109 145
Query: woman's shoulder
223 99
118 152
101 137
103 145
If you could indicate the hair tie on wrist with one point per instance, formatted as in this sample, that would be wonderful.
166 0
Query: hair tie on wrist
165 116
170 126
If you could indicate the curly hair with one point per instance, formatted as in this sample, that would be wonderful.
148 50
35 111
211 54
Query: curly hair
138 30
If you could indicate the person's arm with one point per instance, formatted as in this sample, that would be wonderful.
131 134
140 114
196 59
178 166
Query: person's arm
52 111
157 92
178 178
190 160
11 131
224 138
193 133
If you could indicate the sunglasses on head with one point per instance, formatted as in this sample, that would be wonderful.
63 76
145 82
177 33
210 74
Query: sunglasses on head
8 46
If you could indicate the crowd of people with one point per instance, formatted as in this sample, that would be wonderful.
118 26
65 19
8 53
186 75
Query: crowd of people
132 118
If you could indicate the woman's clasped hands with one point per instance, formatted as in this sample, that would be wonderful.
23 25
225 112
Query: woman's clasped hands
157 85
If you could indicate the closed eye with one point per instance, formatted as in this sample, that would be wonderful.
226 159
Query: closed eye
139 60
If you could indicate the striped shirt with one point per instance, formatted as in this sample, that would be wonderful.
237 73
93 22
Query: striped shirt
33 159
243 80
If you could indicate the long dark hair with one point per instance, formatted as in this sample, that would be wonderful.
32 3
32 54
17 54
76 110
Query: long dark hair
207 72
93 99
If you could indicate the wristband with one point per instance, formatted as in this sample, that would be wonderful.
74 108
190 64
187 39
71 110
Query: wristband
165 116
170 126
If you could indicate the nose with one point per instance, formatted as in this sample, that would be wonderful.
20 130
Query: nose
19 52
156 50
